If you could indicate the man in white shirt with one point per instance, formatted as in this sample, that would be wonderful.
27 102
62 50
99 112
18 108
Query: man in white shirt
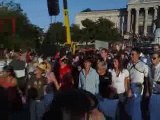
139 84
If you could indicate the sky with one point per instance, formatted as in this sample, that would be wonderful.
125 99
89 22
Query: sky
37 10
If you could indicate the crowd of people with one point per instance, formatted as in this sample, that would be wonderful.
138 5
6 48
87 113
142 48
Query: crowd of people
121 84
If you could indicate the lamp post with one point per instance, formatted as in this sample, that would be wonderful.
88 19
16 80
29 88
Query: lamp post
66 22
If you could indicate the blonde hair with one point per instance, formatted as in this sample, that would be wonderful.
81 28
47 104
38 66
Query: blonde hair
101 64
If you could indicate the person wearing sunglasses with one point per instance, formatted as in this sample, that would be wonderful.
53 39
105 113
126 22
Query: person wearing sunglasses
155 70
138 72
156 48
155 80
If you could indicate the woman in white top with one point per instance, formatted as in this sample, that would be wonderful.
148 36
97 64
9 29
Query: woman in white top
120 81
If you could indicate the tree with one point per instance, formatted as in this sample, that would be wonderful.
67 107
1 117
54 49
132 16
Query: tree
26 34
106 31
55 34
89 30
102 29
76 33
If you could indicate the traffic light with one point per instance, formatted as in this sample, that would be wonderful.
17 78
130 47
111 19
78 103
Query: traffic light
53 7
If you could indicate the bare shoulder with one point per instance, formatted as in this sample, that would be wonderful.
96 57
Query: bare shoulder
96 115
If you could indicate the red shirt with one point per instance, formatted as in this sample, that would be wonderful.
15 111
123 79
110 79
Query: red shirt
28 57
4 83
65 78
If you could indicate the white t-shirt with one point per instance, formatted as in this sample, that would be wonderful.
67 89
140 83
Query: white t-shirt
8 61
118 82
2 64
138 72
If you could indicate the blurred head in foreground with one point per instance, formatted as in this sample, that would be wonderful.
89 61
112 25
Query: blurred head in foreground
71 105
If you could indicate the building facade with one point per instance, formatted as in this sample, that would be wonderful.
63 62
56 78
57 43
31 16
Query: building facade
137 18
117 16
141 16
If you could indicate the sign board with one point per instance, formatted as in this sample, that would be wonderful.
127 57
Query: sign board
101 44
126 36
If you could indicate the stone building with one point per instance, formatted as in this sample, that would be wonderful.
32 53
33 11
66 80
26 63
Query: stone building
137 18
117 16
141 16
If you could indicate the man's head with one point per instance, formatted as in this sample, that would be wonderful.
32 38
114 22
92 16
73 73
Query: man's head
41 68
64 61
156 48
155 58
87 63
104 53
135 54
71 105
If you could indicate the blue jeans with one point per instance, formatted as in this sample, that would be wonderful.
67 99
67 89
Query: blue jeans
37 109
133 106
136 89
154 107
108 107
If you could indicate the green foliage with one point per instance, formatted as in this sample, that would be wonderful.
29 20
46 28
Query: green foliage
89 30
76 33
26 34
102 29
106 31
55 34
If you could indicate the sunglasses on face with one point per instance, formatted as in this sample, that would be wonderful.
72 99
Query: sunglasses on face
153 58
132 54
156 48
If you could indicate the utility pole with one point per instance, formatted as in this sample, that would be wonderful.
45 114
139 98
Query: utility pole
66 22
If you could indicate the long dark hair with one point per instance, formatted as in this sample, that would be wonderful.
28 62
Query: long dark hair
120 63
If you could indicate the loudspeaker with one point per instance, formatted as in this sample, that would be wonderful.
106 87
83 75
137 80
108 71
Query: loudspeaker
53 7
